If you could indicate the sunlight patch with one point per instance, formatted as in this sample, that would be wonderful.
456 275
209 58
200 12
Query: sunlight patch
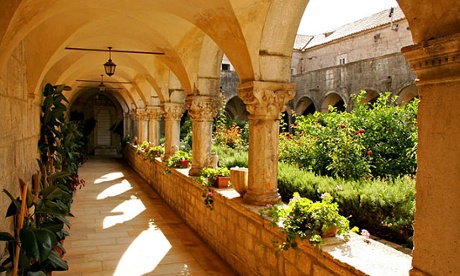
144 253
127 210
109 177
115 190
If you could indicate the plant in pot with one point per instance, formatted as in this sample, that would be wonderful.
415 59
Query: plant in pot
180 159
143 147
154 152
211 177
304 219
38 231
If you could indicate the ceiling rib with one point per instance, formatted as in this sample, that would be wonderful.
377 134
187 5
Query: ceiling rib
115 51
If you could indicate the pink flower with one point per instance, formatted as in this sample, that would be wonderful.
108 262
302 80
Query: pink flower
365 233
339 187
209 194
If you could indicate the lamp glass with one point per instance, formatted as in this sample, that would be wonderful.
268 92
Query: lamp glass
109 67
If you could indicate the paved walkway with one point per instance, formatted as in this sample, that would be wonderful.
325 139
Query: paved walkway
122 227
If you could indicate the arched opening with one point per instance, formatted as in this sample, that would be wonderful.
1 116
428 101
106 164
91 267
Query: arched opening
407 94
235 110
102 118
305 106
335 100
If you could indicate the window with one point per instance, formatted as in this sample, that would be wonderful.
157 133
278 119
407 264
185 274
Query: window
225 67
342 59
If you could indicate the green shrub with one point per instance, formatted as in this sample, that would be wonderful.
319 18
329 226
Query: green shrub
385 208
374 140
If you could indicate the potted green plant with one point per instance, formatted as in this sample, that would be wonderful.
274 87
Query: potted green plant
180 159
212 177
217 177
39 232
304 219
143 147
154 152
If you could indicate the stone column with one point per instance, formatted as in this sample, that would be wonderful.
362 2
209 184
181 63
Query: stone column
202 109
154 115
126 124
133 127
437 224
142 124
264 102
172 113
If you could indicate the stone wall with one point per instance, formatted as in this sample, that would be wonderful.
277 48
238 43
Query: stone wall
19 129
237 233
387 73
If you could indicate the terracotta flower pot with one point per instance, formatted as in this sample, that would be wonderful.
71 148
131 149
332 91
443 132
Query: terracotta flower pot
184 163
332 232
222 182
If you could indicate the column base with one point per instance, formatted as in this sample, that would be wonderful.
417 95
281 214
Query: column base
194 171
261 199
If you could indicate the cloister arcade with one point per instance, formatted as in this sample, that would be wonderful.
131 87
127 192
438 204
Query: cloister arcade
179 47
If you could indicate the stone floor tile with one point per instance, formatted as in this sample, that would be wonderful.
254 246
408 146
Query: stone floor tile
122 227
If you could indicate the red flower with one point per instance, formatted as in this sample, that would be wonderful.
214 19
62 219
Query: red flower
369 152
342 126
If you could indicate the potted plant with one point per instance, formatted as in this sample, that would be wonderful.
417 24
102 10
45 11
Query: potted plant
217 177
180 159
39 232
143 147
304 219
154 152
212 177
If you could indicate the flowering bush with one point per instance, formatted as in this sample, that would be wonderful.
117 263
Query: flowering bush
305 219
374 140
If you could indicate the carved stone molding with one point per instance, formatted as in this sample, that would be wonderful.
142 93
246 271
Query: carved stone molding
435 61
154 112
203 107
266 99
141 114
173 111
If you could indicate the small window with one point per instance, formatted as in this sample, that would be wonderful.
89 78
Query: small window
225 67
342 59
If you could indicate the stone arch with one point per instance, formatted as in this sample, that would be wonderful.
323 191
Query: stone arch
370 96
333 99
407 94
235 109
305 106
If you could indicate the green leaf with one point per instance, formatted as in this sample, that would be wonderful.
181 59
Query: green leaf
15 206
56 263
37 243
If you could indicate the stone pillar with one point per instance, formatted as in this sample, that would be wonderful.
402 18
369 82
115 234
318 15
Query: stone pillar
142 124
172 113
133 127
154 115
202 109
264 102
126 124
437 224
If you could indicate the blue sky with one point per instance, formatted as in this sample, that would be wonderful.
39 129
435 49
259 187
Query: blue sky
325 15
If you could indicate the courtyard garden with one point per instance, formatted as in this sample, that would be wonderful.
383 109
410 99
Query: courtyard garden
365 159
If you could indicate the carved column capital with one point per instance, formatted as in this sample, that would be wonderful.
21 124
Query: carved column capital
435 61
141 114
173 111
154 112
266 99
203 107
